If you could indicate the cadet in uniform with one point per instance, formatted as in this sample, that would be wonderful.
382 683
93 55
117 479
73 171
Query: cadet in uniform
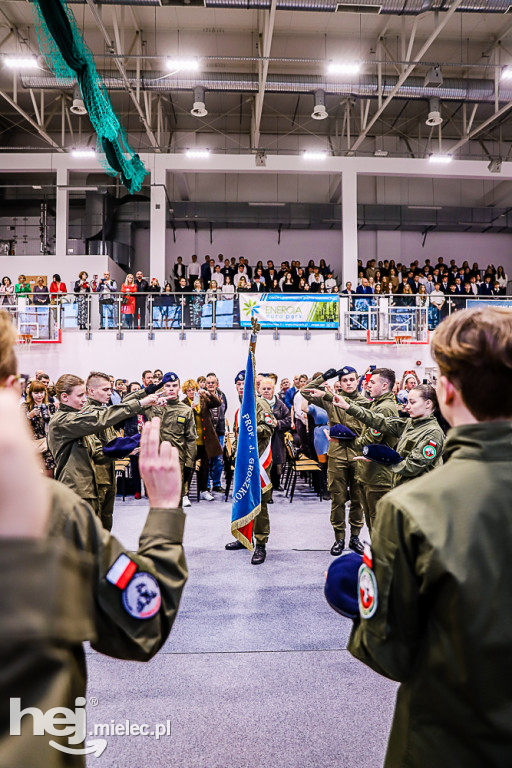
376 479
265 425
435 606
420 438
99 391
70 430
178 424
342 472
124 602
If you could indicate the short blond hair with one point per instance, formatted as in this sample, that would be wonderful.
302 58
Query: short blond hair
188 384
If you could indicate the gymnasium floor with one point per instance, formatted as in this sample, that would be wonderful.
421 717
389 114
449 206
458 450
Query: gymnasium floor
255 672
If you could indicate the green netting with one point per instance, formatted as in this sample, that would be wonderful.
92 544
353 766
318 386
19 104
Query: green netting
67 55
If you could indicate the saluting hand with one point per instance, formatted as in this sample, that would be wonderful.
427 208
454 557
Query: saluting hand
341 402
159 466
24 495
149 400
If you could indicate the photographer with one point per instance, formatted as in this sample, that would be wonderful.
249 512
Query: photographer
39 411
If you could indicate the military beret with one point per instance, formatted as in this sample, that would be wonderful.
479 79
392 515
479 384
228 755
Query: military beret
167 377
341 432
346 370
240 376
341 584
120 447
152 388
381 454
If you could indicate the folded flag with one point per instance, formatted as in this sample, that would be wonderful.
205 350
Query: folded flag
341 432
120 447
247 486
341 584
381 454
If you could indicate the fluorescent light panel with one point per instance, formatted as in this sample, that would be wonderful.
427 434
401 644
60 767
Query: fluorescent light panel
181 64
311 155
506 73
198 153
21 62
344 68
441 159
90 153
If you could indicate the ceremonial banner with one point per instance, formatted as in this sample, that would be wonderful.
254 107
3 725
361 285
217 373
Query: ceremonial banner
289 310
247 487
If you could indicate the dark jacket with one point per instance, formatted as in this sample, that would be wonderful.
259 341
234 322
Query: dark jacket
218 415
283 416
142 287
211 441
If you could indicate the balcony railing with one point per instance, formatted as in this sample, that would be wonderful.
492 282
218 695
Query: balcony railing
350 316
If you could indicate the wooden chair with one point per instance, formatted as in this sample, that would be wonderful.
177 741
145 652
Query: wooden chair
296 465
123 472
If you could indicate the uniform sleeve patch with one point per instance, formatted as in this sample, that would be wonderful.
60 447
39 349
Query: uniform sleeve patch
375 433
141 598
181 419
429 451
367 592
121 572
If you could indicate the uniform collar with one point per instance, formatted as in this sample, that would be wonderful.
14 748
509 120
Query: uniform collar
351 395
485 441
423 419
92 401
385 396
67 408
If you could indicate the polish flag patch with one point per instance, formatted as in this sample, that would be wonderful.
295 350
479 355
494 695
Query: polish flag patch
121 572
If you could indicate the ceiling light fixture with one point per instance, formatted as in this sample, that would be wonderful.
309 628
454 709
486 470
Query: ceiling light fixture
344 68
83 153
311 155
506 73
199 106
441 159
21 62
434 112
198 153
178 65
380 153
78 106
319 110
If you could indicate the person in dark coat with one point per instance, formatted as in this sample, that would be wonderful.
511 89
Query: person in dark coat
283 417
208 444
140 300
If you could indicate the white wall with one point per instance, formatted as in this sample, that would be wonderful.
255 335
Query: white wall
226 355
67 267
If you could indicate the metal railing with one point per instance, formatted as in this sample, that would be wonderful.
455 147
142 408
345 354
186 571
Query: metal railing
351 315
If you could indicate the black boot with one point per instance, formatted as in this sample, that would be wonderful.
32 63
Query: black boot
338 547
234 545
259 555
355 544
325 489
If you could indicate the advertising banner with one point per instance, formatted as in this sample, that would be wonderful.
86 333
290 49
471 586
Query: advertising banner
289 310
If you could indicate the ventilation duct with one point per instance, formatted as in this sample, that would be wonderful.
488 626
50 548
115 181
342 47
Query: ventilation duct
455 89
387 7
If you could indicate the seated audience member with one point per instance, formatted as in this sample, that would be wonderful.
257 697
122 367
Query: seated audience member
243 286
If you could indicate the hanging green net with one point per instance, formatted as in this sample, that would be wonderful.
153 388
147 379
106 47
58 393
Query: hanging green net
64 50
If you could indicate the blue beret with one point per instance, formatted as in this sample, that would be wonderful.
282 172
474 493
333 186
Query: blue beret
240 376
346 370
341 584
120 447
341 432
381 454
170 377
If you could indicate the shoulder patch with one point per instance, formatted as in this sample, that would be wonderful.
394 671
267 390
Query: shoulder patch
141 598
367 592
181 419
429 452
375 432
121 572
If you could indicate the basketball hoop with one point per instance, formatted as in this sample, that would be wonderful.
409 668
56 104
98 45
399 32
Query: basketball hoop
25 339
403 339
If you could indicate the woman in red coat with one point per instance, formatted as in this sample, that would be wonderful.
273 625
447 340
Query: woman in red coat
128 288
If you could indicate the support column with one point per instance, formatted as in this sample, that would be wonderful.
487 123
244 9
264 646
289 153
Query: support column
157 222
349 224
61 213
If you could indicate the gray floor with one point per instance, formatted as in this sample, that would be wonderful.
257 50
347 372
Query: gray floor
256 671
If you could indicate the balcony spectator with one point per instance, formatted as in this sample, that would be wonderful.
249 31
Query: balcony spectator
228 289
194 270
128 290
243 286
142 289
288 284
206 270
474 286
218 276
486 288
227 271
241 273
259 284
179 270
166 303
6 292
81 289
502 278
106 288
57 289
315 280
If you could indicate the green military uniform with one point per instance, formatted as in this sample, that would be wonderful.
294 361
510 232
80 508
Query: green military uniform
342 471
65 598
178 427
104 468
72 448
376 479
442 626
420 441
